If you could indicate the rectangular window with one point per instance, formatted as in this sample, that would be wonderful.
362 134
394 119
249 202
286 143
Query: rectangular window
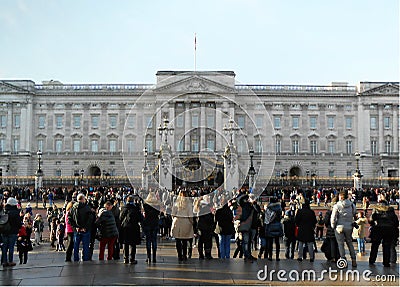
331 173
195 144
41 122
113 145
3 121
349 147
2 145
295 147
149 144
277 122
386 123
40 144
259 121
313 122
16 145
17 121
372 123
374 147
295 122
149 122
241 122
59 122
278 145
130 146
94 145
211 144
313 147
179 121
131 121
195 121
388 147
349 123
95 122
77 121
210 121
180 145
58 172
77 145
113 121
331 147
240 146
331 122
59 145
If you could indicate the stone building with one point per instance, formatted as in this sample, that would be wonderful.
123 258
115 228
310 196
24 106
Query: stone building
296 131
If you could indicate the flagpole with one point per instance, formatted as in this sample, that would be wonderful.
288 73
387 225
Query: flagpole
195 51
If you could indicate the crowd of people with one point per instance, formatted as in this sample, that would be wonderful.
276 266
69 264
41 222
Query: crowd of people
121 218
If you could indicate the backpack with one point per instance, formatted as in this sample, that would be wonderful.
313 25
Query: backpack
129 218
269 216
5 225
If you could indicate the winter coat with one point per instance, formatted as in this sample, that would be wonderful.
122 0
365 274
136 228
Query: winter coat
289 227
13 218
274 228
130 229
306 220
81 216
360 231
205 221
182 221
151 217
330 232
384 221
224 218
343 214
68 227
106 223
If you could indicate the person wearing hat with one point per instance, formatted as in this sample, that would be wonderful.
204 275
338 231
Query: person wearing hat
151 208
9 237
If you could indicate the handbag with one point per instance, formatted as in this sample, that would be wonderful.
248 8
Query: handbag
246 225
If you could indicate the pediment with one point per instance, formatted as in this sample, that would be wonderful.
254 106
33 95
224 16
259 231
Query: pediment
7 88
384 90
194 84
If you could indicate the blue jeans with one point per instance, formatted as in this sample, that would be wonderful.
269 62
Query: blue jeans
85 238
8 247
361 245
225 245
246 243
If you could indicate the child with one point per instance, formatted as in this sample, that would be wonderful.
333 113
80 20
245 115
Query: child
60 235
38 226
23 244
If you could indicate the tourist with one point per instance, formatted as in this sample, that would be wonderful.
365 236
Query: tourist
182 225
320 226
224 219
69 230
108 230
10 237
305 221
38 227
273 227
24 244
130 218
151 208
330 245
342 222
359 232
60 233
289 236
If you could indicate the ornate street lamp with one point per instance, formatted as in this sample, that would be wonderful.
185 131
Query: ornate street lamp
252 171
38 178
82 174
357 174
164 130
307 175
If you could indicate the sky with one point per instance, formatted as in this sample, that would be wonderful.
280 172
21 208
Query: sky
262 41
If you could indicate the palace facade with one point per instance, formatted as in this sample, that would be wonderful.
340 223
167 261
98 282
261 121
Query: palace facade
294 130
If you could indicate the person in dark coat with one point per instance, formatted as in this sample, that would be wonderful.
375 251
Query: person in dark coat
151 208
383 230
261 234
273 228
289 237
10 237
116 212
224 219
108 230
330 246
306 220
130 219
81 218
205 227
246 204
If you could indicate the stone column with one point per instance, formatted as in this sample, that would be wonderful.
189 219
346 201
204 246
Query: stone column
231 169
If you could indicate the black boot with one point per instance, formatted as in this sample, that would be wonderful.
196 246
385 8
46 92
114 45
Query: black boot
154 255
148 260
208 254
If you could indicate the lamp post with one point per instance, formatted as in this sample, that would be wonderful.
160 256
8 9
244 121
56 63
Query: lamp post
286 176
252 171
165 156
82 173
145 170
307 175
164 130
230 129
357 174
231 170
38 177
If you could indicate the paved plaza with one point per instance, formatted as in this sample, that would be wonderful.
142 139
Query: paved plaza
47 267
